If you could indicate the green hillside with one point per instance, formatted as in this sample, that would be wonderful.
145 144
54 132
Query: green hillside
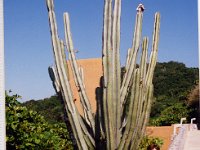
51 108
173 81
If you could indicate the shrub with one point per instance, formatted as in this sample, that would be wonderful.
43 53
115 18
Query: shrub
149 143
26 129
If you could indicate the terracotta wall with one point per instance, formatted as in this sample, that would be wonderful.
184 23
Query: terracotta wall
92 73
163 132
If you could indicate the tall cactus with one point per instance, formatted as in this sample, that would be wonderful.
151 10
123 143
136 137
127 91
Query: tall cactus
123 107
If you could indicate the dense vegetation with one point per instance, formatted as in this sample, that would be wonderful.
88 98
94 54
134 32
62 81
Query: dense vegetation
193 102
173 82
26 129
40 124
51 108
149 143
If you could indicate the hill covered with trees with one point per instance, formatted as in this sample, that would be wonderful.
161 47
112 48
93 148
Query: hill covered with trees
51 108
173 82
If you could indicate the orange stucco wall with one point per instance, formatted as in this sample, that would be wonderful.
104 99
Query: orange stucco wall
163 132
92 69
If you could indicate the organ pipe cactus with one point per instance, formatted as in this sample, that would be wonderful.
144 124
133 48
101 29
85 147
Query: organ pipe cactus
123 107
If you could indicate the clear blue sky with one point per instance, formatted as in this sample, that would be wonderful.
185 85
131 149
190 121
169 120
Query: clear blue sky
28 50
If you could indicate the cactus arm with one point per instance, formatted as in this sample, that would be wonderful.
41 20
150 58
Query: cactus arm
105 68
55 41
153 56
109 107
64 58
70 118
65 88
133 55
132 107
100 128
149 78
116 70
147 110
87 136
143 61
82 99
134 110
127 59
107 74
143 90
54 78
142 94
77 76
82 75
144 118
144 100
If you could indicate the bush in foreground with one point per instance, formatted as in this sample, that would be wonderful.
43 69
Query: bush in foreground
25 129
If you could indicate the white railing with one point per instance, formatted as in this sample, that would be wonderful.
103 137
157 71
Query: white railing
177 142
178 139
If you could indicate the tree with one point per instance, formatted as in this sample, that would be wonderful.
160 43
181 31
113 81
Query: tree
171 115
173 82
51 108
26 129
173 79
150 143
193 96
193 103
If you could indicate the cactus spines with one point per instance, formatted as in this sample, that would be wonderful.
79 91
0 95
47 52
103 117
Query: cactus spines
119 122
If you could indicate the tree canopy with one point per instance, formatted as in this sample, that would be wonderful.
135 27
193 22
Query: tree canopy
26 129
173 82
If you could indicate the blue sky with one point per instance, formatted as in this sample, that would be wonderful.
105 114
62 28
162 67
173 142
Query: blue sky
28 50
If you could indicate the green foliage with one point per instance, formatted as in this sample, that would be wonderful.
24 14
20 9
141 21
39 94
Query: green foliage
171 115
26 129
193 103
148 142
172 83
173 79
51 108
